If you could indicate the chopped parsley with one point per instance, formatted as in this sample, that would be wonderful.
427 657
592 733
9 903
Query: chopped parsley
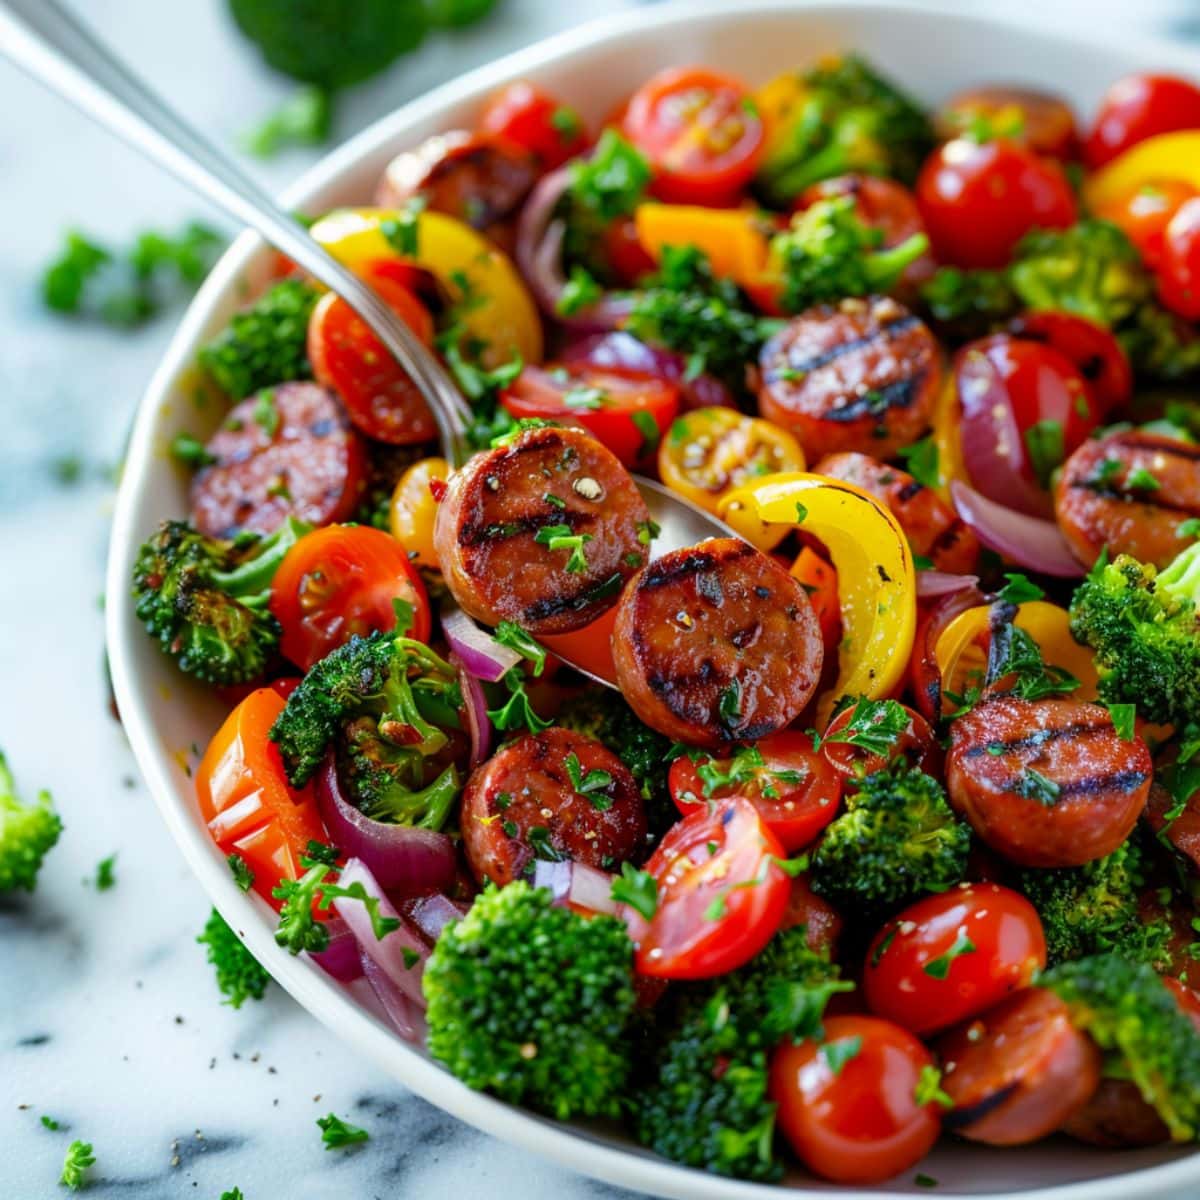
1142 480
929 1088
561 537
1046 448
1123 716
336 1133
106 876
591 785
75 1165
517 712
1033 785
921 461
191 451
939 968
510 634
637 889
729 704
266 415
400 230
841 1051
240 869
565 121
874 726
1019 590
579 292
647 426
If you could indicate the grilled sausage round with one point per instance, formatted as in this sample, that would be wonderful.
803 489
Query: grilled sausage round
289 451
1046 783
1130 492
716 643
544 531
1018 1072
523 804
933 528
864 372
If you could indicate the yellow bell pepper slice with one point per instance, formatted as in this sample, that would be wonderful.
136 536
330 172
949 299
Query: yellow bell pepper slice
877 587
734 240
779 102
501 314
1165 156
961 648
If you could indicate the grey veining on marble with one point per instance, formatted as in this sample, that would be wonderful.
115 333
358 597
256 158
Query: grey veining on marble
109 1016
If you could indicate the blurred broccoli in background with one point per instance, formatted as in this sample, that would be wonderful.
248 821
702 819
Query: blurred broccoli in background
28 833
329 45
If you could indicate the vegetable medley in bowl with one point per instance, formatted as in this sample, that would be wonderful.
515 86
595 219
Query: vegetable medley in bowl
874 823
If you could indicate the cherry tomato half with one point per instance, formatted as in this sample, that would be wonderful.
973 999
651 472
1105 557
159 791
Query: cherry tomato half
341 581
1144 213
978 199
246 801
1092 348
525 115
346 356
700 131
1136 108
721 894
1179 271
1039 120
949 957
629 411
793 787
851 760
851 1105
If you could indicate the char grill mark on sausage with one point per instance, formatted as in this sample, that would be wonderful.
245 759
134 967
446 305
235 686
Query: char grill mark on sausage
876 402
910 490
550 606
1097 785
884 333
1040 738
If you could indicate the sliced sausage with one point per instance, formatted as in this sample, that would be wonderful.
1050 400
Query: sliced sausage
289 451
865 372
716 643
523 804
882 204
1046 783
1130 492
1040 120
1183 829
544 531
932 527
1019 1071
475 177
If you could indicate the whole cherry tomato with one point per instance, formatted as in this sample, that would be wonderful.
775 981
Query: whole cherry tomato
951 956
346 356
342 581
794 789
854 1105
978 199
700 132
1144 213
629 411
246 801
720 894
1138 107
860 740
1179 270
525 115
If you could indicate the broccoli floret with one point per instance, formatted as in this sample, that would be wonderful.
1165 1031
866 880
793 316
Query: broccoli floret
686 308
1160 345
849 119
604 715
828 254
28 833
239 974
969 304
897 839
1144 626
534 1002
386 702
1126 1008
205 599
331 45
703 1099
1094 908
264 344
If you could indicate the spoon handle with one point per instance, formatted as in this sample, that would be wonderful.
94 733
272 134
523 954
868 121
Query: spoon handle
49 43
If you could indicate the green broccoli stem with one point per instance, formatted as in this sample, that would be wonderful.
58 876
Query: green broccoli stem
250 580
884 267
1180 578
401 705
853 147
427 808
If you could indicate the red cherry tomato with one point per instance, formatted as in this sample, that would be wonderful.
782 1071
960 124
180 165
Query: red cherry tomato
628 260
794 789
948 957
721 894
341 581
1143 214
1025 408
1138 107
246 801
850 1105
523 114
629 411
851 760
700 132
1179 271
979 199
346 356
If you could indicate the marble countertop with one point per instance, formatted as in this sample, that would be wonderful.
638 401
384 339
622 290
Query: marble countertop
110 1021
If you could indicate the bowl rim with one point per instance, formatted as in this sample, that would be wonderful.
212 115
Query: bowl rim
574 1146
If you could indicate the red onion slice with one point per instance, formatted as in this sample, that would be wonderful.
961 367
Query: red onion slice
340 958
1027 541
933 584
406 1017
401 954
577 885
475 705
477 650
621 349
402 858
431 914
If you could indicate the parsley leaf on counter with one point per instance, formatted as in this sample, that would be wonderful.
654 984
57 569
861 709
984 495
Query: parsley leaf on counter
336 1133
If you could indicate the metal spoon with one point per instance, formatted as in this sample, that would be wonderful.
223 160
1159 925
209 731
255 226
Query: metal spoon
51 45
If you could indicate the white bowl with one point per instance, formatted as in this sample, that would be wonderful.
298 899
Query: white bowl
931 52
